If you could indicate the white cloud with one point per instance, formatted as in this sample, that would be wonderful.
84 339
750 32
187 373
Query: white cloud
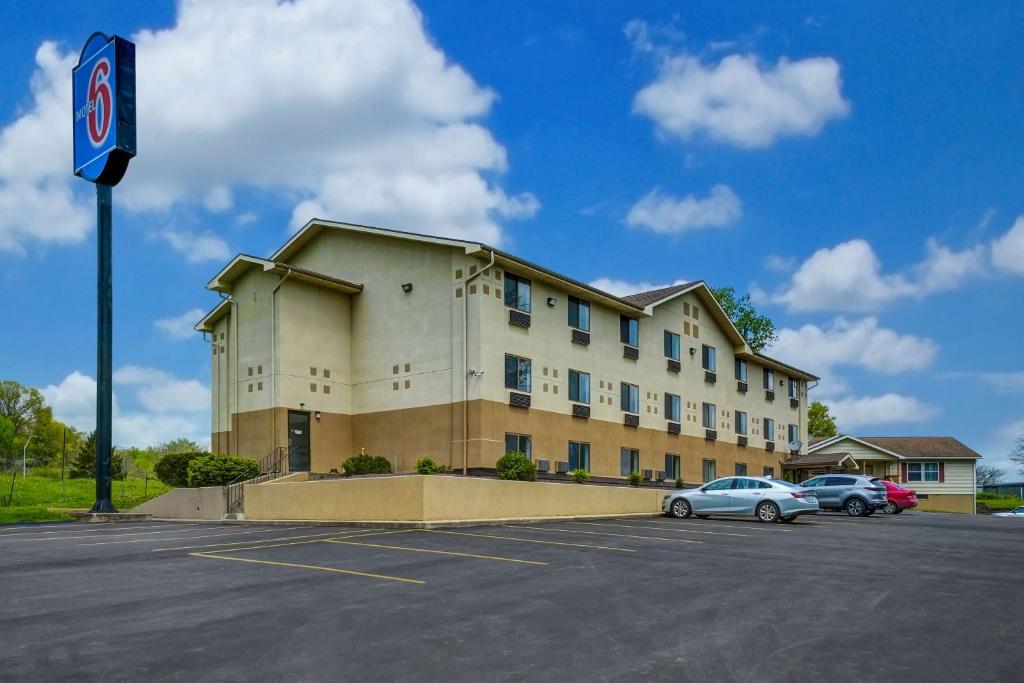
354 114
665 214
623 287
1001 382
779 264
180 327
1008 250
738 101
196 248
1012 430
163 393
854 412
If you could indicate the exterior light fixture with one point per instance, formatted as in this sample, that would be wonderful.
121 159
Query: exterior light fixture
693 351
407 287
552 301
317 415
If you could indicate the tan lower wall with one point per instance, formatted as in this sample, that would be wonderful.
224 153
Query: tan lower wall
208 502
947 502
440 498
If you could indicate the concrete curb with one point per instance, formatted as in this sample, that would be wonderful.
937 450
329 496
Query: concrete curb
109 517
392 524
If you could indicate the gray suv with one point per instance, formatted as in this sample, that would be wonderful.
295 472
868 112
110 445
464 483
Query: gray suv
854 494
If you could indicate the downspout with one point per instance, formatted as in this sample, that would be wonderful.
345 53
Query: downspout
273 360
216 412
465 363
233 406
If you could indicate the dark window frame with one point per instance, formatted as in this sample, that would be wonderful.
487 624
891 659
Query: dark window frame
513 283
519 361
704 415
741 376
736 422
673 345
575 386
575 306
709 358
629 331
582 457
528 451
673 407
625 387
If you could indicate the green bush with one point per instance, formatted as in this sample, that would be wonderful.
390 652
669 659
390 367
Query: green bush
679 483
517 467
217 469
426 465
366 464
580 475
635 479
172 469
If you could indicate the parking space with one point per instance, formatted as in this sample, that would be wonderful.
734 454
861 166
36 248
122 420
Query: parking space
715 599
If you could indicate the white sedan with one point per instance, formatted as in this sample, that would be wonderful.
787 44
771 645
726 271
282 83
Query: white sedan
1016 512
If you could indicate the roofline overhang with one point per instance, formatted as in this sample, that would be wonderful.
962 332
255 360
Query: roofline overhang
206 324
223 280
839 437
846 456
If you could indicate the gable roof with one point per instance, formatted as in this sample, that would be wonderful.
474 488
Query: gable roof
221 281
823 459
905 447
647 298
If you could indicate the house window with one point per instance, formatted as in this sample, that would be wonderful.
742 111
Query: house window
629 398
769 472
672 467
741 370
793 433
579 314
794 388
672 405
579 456
517 292
923 471
671 345
709 415
519 443
707 358
709 470
517 373
769 379
741 422
579 386
869 470
629 461
741 469
629 330
769 429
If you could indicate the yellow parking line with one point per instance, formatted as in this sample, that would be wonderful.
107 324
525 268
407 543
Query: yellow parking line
528 540
602 533
682 531
75 529
438 552
753 525
316 567
186 538
119 535
250 541
315 540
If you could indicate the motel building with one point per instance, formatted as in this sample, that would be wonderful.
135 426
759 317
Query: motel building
939 468
356 339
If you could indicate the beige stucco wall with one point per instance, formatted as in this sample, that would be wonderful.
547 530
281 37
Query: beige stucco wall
440 498
208 502
963 503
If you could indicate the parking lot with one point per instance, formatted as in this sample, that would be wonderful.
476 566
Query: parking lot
912 597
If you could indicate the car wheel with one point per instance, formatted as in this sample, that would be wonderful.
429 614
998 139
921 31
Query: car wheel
855 507
680 508
898 510
767 512
892 508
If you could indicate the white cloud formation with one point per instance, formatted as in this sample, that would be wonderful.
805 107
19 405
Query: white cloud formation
346 108
170 407
196 248
180 326
1008 250
665 214
619 287
738 101
855 412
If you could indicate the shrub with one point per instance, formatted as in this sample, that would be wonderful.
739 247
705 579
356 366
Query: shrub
517 467
172 469
217 469
679 483
580 475
426 465
366 464
635 479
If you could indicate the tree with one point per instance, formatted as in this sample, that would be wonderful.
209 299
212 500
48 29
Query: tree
22 406
180 445
83 466
1017 452
987 475
758 330
6 441
819 422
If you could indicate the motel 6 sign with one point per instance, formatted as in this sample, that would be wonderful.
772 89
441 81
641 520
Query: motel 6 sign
103 96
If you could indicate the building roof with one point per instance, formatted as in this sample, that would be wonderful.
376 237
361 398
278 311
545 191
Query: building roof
644 299
819 459
906 447
222 281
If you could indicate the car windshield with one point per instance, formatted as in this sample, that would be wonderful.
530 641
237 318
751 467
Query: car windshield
1019 511
788 485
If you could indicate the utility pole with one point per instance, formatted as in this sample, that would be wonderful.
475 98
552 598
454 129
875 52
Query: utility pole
24 458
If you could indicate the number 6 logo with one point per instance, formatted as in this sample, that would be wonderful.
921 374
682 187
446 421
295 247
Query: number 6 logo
99 102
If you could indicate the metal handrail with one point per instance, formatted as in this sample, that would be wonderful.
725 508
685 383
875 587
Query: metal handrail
274 465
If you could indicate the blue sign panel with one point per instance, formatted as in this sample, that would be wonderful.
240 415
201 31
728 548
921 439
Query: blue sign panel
103 96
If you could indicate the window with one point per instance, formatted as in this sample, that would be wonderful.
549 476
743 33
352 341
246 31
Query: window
794 388
579 456
579 386
769 429
519 443
672 405
793 433
579 314
709 470
709 415
923 471
869 470
741 469
707 358
741 370
517 292
629 330
517 373
672 468
629 461
671 345
769 379
769 472
630 398
741 422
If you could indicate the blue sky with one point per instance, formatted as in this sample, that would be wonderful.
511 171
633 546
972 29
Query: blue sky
854 166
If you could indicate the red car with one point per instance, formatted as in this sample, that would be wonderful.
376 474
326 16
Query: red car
900 498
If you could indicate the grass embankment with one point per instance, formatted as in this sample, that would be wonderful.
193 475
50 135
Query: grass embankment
42 490
994 501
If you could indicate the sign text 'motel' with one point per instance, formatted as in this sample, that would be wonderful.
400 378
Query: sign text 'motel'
103 93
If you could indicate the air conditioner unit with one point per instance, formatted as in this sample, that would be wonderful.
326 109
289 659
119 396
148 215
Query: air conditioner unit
543 465
561 466
648 474
660 475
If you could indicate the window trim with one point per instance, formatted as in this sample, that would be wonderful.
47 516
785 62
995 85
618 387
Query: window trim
517 280
736 422
768 379
768 433
633 453
793 387
704 415
529 373
673 415
675 471
519 437
704 468
622 389
923 472
625 329
678 344
579 374
709 356
578 303
579 455
741 363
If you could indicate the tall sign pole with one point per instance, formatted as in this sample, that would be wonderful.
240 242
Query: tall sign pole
103 121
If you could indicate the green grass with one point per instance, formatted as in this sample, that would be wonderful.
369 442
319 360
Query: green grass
42 490
995 501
